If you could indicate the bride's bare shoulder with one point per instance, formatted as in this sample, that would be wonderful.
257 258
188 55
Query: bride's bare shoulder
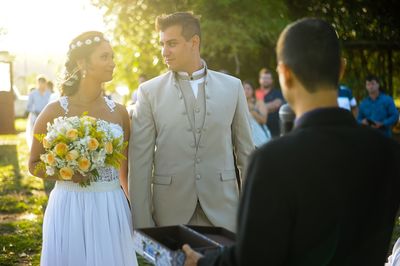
121 109
54 108
50 112
123 114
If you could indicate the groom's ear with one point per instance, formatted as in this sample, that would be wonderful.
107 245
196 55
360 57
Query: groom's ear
195 41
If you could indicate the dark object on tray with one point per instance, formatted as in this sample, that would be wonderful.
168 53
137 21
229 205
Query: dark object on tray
162 245
219 235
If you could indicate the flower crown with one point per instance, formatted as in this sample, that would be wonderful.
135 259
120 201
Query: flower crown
89 41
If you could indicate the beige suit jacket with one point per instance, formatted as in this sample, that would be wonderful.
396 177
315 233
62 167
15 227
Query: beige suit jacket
168 173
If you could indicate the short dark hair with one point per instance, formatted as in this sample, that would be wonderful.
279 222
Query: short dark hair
310 48
264 70
372 77
248 82
189 22
41 79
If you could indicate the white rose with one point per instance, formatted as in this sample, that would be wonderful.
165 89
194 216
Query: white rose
49 170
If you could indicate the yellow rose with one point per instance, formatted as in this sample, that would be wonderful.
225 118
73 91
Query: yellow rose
50 158
66 173
72 155
46 144
72 134
84 164
93 144
108 147
61 149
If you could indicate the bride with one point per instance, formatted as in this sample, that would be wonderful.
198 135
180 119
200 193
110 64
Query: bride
87 225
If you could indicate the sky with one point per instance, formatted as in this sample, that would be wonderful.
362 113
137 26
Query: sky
38 31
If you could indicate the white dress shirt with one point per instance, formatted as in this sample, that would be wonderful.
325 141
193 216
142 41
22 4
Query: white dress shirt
194 83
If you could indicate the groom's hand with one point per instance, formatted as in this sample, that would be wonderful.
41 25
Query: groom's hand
191 256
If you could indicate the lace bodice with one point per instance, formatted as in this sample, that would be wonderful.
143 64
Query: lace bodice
64 104
106 174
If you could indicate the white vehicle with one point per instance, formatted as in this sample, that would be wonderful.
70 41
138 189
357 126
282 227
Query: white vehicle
20 103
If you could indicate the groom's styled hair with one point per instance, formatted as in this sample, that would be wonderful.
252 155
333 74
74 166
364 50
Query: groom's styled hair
189 22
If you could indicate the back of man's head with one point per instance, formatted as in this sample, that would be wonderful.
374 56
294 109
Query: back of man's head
310 48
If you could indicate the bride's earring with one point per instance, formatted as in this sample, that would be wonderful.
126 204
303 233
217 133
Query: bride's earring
83 74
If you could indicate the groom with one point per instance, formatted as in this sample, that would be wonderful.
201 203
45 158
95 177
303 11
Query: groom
188 125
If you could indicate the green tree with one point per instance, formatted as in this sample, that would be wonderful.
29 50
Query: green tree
369 32
238 36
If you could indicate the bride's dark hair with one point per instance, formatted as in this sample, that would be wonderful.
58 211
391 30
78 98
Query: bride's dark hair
80 47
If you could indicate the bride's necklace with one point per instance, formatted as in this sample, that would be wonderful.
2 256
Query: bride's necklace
85 103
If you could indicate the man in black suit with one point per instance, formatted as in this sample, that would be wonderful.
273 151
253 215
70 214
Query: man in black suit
326 193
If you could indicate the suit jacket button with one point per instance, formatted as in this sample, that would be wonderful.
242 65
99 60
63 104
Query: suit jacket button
198 160
198 130
198 176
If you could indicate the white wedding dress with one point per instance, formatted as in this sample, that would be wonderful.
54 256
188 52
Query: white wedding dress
88 226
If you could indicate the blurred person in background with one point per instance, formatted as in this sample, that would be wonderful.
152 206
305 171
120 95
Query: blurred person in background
55 95
37 100
258 119
346 100
272 98
377 110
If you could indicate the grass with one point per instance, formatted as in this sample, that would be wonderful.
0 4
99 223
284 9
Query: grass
22 201
20 242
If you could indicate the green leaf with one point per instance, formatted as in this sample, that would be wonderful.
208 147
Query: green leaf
40 137
40 166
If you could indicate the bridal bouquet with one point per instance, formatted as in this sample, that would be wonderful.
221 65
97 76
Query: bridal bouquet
79 145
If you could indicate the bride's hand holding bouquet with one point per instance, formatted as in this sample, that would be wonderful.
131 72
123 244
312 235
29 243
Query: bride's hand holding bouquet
75 147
